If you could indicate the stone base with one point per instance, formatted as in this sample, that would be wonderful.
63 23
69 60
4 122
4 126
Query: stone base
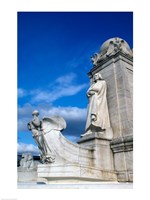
125 176
74 173
79 185
101 149
92 140
105 135
26 175
123 157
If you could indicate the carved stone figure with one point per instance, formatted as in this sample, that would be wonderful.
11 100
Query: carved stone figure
97 115
37 133
110 48
26 161
95 58
40 129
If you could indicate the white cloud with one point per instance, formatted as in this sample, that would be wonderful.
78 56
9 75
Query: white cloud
22 124
66 79
57 92
21 92
75 117
24 116
69 113
63 86
25 110
27 148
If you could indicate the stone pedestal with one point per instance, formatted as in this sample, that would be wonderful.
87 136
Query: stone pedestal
26 175
115 63
74 173
100 142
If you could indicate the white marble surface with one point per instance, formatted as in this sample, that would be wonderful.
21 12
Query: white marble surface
87 185
74 173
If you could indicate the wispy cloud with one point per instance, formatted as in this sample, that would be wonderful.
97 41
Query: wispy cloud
63 86
66 79
57 92
27 148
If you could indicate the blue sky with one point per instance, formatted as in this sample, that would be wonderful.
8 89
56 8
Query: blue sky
54 50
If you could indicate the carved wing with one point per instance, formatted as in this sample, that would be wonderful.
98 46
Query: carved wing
53 123
94 58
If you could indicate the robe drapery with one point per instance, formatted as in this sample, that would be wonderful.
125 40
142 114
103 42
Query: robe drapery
97 106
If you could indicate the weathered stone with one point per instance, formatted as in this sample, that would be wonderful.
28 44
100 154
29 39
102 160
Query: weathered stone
27 171
74 172
117 70
93 162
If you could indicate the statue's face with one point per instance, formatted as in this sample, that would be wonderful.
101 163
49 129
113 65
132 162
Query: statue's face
35 115
96 77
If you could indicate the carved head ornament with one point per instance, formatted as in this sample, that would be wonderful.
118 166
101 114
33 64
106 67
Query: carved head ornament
110 48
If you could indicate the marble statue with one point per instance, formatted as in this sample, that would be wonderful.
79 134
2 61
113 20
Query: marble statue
37 133
97 115
26 161
40 129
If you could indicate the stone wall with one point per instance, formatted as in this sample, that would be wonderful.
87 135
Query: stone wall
117 71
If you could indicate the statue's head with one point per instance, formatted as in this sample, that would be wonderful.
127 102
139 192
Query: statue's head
35 112
97 76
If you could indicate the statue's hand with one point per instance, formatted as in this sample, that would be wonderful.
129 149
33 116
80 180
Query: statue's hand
90 93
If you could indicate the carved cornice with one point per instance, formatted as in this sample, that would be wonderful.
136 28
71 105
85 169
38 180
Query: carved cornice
108 61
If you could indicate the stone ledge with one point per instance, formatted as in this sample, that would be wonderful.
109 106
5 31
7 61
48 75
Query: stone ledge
112 59
122 144
80 185
106 135
75 172
125 176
